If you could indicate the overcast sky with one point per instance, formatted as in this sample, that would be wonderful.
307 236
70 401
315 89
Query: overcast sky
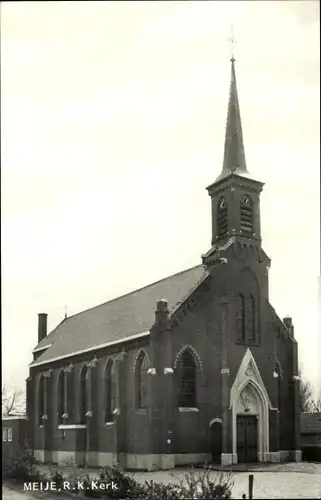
113 121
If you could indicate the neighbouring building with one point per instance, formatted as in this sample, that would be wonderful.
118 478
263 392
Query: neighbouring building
195 367
14 431
311 436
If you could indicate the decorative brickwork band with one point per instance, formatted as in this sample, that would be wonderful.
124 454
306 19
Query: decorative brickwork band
193 351
137 358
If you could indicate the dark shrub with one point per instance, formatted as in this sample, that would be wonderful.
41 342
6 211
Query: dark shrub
127 487
154 490
208 484
89 491
19 464
58 478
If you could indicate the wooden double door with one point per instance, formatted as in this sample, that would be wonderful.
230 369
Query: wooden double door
247 438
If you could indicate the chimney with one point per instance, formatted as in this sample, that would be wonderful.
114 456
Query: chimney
161 313
289 325
42 326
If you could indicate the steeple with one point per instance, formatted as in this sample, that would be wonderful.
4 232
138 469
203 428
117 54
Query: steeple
235 194
234 154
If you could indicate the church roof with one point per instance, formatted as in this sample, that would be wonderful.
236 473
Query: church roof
119 318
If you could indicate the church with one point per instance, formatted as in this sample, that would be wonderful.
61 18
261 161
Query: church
197 367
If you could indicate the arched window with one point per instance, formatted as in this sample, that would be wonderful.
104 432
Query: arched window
251 318
246 214
41 399
61 397
240 318
83 394
141 381
222 221
110 391
187 372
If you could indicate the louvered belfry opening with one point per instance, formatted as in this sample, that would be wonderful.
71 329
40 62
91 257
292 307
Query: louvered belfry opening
222 221
246 215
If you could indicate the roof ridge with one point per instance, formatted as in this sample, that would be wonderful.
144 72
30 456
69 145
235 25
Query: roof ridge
128 293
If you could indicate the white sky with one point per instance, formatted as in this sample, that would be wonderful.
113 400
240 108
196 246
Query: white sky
113 121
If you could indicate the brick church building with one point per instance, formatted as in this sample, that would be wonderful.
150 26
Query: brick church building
193 368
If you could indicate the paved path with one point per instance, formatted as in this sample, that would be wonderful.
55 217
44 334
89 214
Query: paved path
288 481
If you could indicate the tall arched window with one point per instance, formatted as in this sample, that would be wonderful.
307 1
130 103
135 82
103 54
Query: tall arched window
141 381
251 318
110 392
41 399
61 397
222 220
83 394
246 222
187 373
240 318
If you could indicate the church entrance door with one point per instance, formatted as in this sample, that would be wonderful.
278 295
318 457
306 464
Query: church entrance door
247 438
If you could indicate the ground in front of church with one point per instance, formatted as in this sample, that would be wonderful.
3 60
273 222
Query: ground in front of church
289 480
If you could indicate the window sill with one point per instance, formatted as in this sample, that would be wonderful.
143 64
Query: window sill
107 424
141 411
63 427
183 409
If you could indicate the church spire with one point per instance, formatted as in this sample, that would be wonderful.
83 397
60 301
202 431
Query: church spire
235 193
234 154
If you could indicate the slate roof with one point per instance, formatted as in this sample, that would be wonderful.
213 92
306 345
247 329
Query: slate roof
310 423
119 318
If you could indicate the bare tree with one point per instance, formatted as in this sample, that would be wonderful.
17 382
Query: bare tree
306 395
316 402
13 401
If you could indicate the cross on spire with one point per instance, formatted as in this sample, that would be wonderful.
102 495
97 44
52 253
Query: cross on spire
232 41
66 311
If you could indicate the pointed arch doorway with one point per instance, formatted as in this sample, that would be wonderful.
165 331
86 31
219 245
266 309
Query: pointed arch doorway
250 405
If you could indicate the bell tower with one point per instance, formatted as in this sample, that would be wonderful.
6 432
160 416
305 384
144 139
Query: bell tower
235 194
